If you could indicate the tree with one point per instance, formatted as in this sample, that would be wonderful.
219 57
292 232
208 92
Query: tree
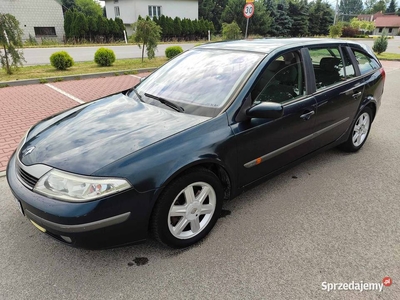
67 5
362 24
231 31
147 34
68 21
92 25
102 25
177 27
380 44
326 18
89 7
121 27
379 6
392 7
79 26
10 41
259 23
298 11
368 5
282 21
211 10
350 8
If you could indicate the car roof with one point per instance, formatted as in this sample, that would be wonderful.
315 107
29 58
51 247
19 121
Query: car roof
267 45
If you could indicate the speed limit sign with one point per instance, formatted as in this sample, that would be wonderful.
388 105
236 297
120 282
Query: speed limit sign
248 10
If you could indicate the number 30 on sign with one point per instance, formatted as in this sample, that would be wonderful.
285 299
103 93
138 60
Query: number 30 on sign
248 10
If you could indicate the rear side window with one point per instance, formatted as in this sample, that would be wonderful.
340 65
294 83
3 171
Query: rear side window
365 62
328 66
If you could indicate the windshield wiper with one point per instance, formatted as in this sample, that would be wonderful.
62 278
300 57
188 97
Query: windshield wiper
137 94
165 102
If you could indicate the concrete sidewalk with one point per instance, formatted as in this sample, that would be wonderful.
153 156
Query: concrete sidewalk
23 106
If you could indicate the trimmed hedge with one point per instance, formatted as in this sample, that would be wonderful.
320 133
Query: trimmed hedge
104 57
61 60
172 51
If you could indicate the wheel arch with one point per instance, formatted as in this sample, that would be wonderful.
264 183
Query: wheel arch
214 166
372 106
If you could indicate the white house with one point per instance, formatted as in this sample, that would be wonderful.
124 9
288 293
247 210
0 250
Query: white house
39 18
130 10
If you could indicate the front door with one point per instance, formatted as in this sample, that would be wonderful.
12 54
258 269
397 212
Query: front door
265 145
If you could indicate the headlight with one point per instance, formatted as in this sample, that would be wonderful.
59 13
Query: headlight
76 188
23 140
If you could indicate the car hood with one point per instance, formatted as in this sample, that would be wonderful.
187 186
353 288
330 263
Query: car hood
94 135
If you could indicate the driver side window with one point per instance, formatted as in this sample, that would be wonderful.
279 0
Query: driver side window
281 81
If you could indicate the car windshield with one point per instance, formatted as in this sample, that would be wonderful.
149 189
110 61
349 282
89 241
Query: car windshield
200 81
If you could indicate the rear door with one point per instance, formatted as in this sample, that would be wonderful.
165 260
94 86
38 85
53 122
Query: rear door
338 92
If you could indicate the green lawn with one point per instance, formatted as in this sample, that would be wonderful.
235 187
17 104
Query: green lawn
80 68
388 56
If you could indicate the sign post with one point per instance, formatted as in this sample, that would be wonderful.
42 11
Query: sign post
248 12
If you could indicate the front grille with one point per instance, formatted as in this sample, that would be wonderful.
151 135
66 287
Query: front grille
26 178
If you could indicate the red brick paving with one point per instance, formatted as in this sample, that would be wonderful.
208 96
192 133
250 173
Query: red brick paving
23 106
20 108
91 89
390 65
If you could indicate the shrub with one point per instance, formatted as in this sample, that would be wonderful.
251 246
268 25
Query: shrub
380 44
231 31
172 51
335 30
349 31
61 60
104 57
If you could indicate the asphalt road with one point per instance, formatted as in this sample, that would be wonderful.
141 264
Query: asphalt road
393 44
334 218
39 56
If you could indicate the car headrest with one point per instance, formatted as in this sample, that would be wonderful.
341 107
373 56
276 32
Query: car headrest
329 63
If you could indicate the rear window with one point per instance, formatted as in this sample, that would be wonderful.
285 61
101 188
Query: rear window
365 62
328 66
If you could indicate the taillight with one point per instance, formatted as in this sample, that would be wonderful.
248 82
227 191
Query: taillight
383 73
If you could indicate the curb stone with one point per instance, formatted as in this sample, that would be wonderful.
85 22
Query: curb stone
73 77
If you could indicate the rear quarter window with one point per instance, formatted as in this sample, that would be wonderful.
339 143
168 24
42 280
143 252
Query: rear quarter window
365 62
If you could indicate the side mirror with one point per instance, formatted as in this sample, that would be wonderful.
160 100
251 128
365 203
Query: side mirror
266 110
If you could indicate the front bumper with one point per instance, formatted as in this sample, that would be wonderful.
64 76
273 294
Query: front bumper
116 220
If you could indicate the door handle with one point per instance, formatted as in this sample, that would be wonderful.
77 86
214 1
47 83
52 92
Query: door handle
356 95
308 115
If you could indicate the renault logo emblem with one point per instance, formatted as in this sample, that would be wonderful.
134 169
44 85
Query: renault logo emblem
28 151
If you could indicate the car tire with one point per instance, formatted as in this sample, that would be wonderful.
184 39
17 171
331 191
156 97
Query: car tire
187 209
359 132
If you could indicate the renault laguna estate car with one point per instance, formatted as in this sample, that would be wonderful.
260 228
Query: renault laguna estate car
161 157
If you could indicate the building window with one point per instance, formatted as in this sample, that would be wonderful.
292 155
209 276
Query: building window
390 30
380 30
116 11
45 31
154 11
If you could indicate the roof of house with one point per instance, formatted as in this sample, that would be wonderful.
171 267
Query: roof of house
387 21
